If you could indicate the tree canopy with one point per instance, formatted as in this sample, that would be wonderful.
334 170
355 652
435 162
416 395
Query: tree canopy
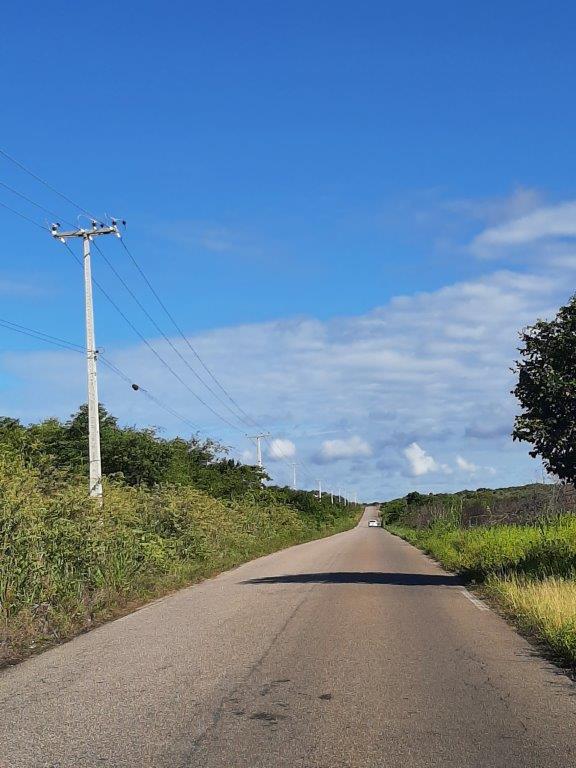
546 390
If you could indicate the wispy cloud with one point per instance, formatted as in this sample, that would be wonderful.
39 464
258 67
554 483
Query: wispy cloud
544 227
465 465
342 448
213 237
22 288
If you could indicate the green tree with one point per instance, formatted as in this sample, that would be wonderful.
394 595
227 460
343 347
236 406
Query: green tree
546 390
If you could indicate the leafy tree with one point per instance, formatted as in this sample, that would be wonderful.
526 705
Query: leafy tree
546 390
414 497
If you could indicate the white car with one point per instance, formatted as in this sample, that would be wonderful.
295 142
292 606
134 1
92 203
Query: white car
373 523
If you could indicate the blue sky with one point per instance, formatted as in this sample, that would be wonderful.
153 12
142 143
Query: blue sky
288 171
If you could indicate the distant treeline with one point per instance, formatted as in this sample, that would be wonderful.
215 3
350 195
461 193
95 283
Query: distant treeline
484 506
136 456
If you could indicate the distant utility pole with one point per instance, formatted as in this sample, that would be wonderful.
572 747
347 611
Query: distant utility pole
319 490
294 475
87 236
258 438
331 497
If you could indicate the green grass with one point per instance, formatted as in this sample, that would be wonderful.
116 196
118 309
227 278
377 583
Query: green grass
66 564
529 569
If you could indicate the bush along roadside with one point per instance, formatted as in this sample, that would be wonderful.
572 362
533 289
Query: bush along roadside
528 569
67 564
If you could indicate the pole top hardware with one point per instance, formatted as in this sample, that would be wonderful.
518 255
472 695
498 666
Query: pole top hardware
98 228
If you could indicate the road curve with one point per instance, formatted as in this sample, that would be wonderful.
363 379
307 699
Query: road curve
353 651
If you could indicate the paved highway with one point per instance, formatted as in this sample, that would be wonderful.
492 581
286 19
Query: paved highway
354 651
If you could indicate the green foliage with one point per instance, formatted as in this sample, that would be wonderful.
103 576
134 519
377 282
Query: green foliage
66 562
137 456
546 390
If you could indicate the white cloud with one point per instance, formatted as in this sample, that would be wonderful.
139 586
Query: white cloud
347 448
281 449
544 223
465 465
420 462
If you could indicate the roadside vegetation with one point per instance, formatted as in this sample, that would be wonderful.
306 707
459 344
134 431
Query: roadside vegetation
524 560
175 511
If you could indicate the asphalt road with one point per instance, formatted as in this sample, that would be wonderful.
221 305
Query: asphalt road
353 651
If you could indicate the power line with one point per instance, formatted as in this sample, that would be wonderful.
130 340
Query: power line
183 335
23 216
166 338
29 200
72 347
43 181
153 350
22 329
138 388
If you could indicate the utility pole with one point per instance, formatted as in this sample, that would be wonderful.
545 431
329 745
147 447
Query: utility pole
294 475
331 497
319 490
258 438
87 236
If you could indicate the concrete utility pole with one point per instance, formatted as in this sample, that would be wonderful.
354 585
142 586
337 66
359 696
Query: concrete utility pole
294 475
319 490
331 497
258 438
87 236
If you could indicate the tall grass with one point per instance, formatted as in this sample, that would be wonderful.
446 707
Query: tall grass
541 549
544 607
66 564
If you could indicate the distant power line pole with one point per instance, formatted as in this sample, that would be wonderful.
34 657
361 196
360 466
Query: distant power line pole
87 236
319 490
258 438
294 475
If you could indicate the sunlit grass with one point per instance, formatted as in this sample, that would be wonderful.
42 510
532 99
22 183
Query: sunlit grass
545 607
